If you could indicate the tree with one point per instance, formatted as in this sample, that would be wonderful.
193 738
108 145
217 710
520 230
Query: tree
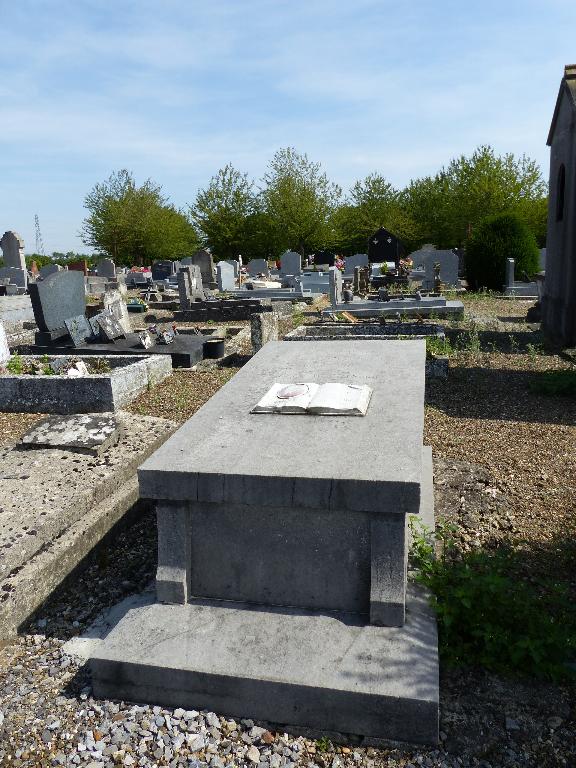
372 203
224 213
299 200
496 239
451 204
134 225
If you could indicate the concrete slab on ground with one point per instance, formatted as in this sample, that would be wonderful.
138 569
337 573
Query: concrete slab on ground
327 673
91 433
57 504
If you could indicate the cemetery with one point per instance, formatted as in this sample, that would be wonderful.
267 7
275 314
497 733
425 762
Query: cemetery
313 508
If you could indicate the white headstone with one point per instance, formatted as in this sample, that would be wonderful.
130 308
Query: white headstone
225 276
114 303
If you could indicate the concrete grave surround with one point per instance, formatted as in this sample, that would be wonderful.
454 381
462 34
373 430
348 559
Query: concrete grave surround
130 375
448 261
257 267
225 276
56 516
290 606
559 296
91 433
4 348
290 263
106 268
57 298
190 286
13 250
49 269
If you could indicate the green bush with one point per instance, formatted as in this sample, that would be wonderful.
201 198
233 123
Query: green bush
496 239
490 618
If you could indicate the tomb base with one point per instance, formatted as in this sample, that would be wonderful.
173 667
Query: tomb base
323 673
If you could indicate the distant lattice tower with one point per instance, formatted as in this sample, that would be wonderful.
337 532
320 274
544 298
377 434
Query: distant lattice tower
39 241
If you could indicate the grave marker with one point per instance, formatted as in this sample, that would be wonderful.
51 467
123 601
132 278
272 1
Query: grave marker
225 276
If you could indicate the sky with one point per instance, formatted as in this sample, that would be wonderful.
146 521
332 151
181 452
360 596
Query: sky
174 89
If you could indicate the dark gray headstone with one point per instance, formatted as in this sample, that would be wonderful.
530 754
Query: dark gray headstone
57 298
162 270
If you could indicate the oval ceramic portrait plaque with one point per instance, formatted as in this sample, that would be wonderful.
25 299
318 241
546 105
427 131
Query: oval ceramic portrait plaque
292 390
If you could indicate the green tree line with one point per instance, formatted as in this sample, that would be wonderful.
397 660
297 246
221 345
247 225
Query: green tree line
295 206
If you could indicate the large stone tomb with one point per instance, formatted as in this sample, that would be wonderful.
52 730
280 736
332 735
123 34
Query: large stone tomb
281 582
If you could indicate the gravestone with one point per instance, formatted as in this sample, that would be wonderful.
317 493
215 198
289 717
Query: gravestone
13 250
384 246
106 268
335 286
542 260
15 275
108 325
113 302
235 264
49 269
257 267
190 286
4 348
79 266
162 270
290 263
448 261
263 328
54 300
203 259
510 273
79 329
225 276
358 260
325 257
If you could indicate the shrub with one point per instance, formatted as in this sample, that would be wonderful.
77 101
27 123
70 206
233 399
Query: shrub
489 617
496 239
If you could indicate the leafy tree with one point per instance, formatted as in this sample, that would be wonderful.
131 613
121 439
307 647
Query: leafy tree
298 199
451 204
225 213
496 239
134 225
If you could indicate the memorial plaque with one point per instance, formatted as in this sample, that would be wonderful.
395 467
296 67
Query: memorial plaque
79 329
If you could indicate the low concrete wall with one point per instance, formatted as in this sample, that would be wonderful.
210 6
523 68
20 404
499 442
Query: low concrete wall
96 393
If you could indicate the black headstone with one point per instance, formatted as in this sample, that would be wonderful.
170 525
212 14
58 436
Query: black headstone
325 257
162 270
384 246
57 298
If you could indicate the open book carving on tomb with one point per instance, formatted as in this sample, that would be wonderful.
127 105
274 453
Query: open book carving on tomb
330 399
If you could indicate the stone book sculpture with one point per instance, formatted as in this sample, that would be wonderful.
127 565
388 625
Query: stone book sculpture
331 399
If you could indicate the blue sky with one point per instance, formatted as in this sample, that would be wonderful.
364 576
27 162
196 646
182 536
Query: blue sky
175 89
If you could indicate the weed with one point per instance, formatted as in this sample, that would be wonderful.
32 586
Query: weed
513 343
15 365
489 617
555 383
437 347
324 744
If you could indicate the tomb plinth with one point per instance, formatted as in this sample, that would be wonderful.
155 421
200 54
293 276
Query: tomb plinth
283 538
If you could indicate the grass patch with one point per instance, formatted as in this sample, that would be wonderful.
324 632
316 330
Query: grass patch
489 617
555 383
